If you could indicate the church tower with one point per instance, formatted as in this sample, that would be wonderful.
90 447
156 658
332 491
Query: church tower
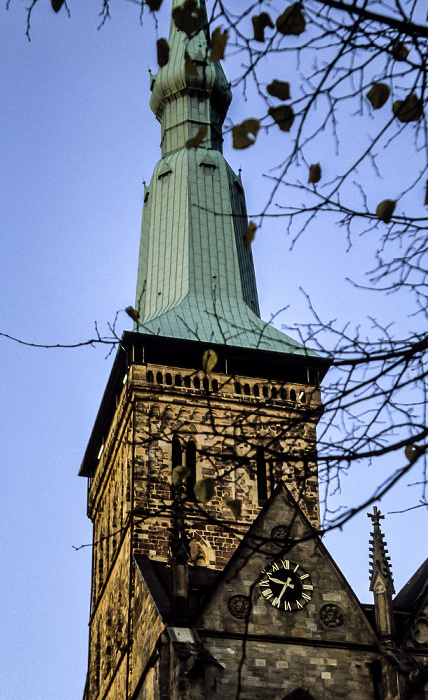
207 420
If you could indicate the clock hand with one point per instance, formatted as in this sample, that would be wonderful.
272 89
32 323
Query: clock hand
286 585
275 580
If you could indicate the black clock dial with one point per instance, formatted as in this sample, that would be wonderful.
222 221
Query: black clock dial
286 585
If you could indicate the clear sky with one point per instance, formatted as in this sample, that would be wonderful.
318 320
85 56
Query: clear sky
77 139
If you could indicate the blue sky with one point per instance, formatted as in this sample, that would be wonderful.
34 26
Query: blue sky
77 139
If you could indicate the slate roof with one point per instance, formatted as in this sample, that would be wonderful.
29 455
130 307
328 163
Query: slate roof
158 579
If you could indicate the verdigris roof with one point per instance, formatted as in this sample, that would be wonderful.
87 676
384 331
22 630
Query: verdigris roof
196 278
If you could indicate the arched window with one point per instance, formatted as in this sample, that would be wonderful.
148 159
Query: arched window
214 385
196 382
177 380
176 455
302 396
206 384
256 390
149 376
247 390
191 465
265 390
261 476
159 378
237 388
168 379
274 392
187 381
292 395
284 394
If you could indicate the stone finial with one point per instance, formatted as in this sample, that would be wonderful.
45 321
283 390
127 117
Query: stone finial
380 569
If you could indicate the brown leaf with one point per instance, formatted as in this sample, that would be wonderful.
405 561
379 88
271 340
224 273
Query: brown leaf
378 95
250 234
240 133
236 507
188 17
204 489
279 89
133 313
196 141
385 210
291 21
283 115
209 361
154 5
163 52
314 174
408 110
400 51
260 22
218 44
189 66
57 4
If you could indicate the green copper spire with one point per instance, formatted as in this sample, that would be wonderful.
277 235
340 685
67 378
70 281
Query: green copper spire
196 279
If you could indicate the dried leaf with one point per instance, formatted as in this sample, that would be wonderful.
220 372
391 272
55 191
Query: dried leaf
283 115
163 52
204 489
209 361
133 313
408 110
240 133
400 51
385 210
218 44
154 5
180 474
378 95
189 66
260 22
196 141
292 20
250 234
236 507
280 89
188 17
314 174
57 4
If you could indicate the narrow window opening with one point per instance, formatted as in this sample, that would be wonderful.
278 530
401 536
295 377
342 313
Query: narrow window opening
168 379
256 390
177 380
176 454
302 396
247 390
197 383
191 465
237 388
214 385
261 476
292 395
284 395
187 381
149 376
274 392
159 378
265 390
206 384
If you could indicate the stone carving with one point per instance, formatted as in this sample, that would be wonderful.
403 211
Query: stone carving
239 606
331 615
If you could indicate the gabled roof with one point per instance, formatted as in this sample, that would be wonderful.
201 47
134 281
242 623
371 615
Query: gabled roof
413 593
158 580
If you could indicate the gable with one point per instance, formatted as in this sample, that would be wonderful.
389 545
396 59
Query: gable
326 612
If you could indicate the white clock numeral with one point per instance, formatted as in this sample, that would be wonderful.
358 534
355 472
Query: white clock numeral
296 567
299 606
307 587
305 596
267 594
265 582
287 605
276 602
304 576
275 567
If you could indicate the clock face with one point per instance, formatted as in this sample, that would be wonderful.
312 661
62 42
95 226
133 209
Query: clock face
286 585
